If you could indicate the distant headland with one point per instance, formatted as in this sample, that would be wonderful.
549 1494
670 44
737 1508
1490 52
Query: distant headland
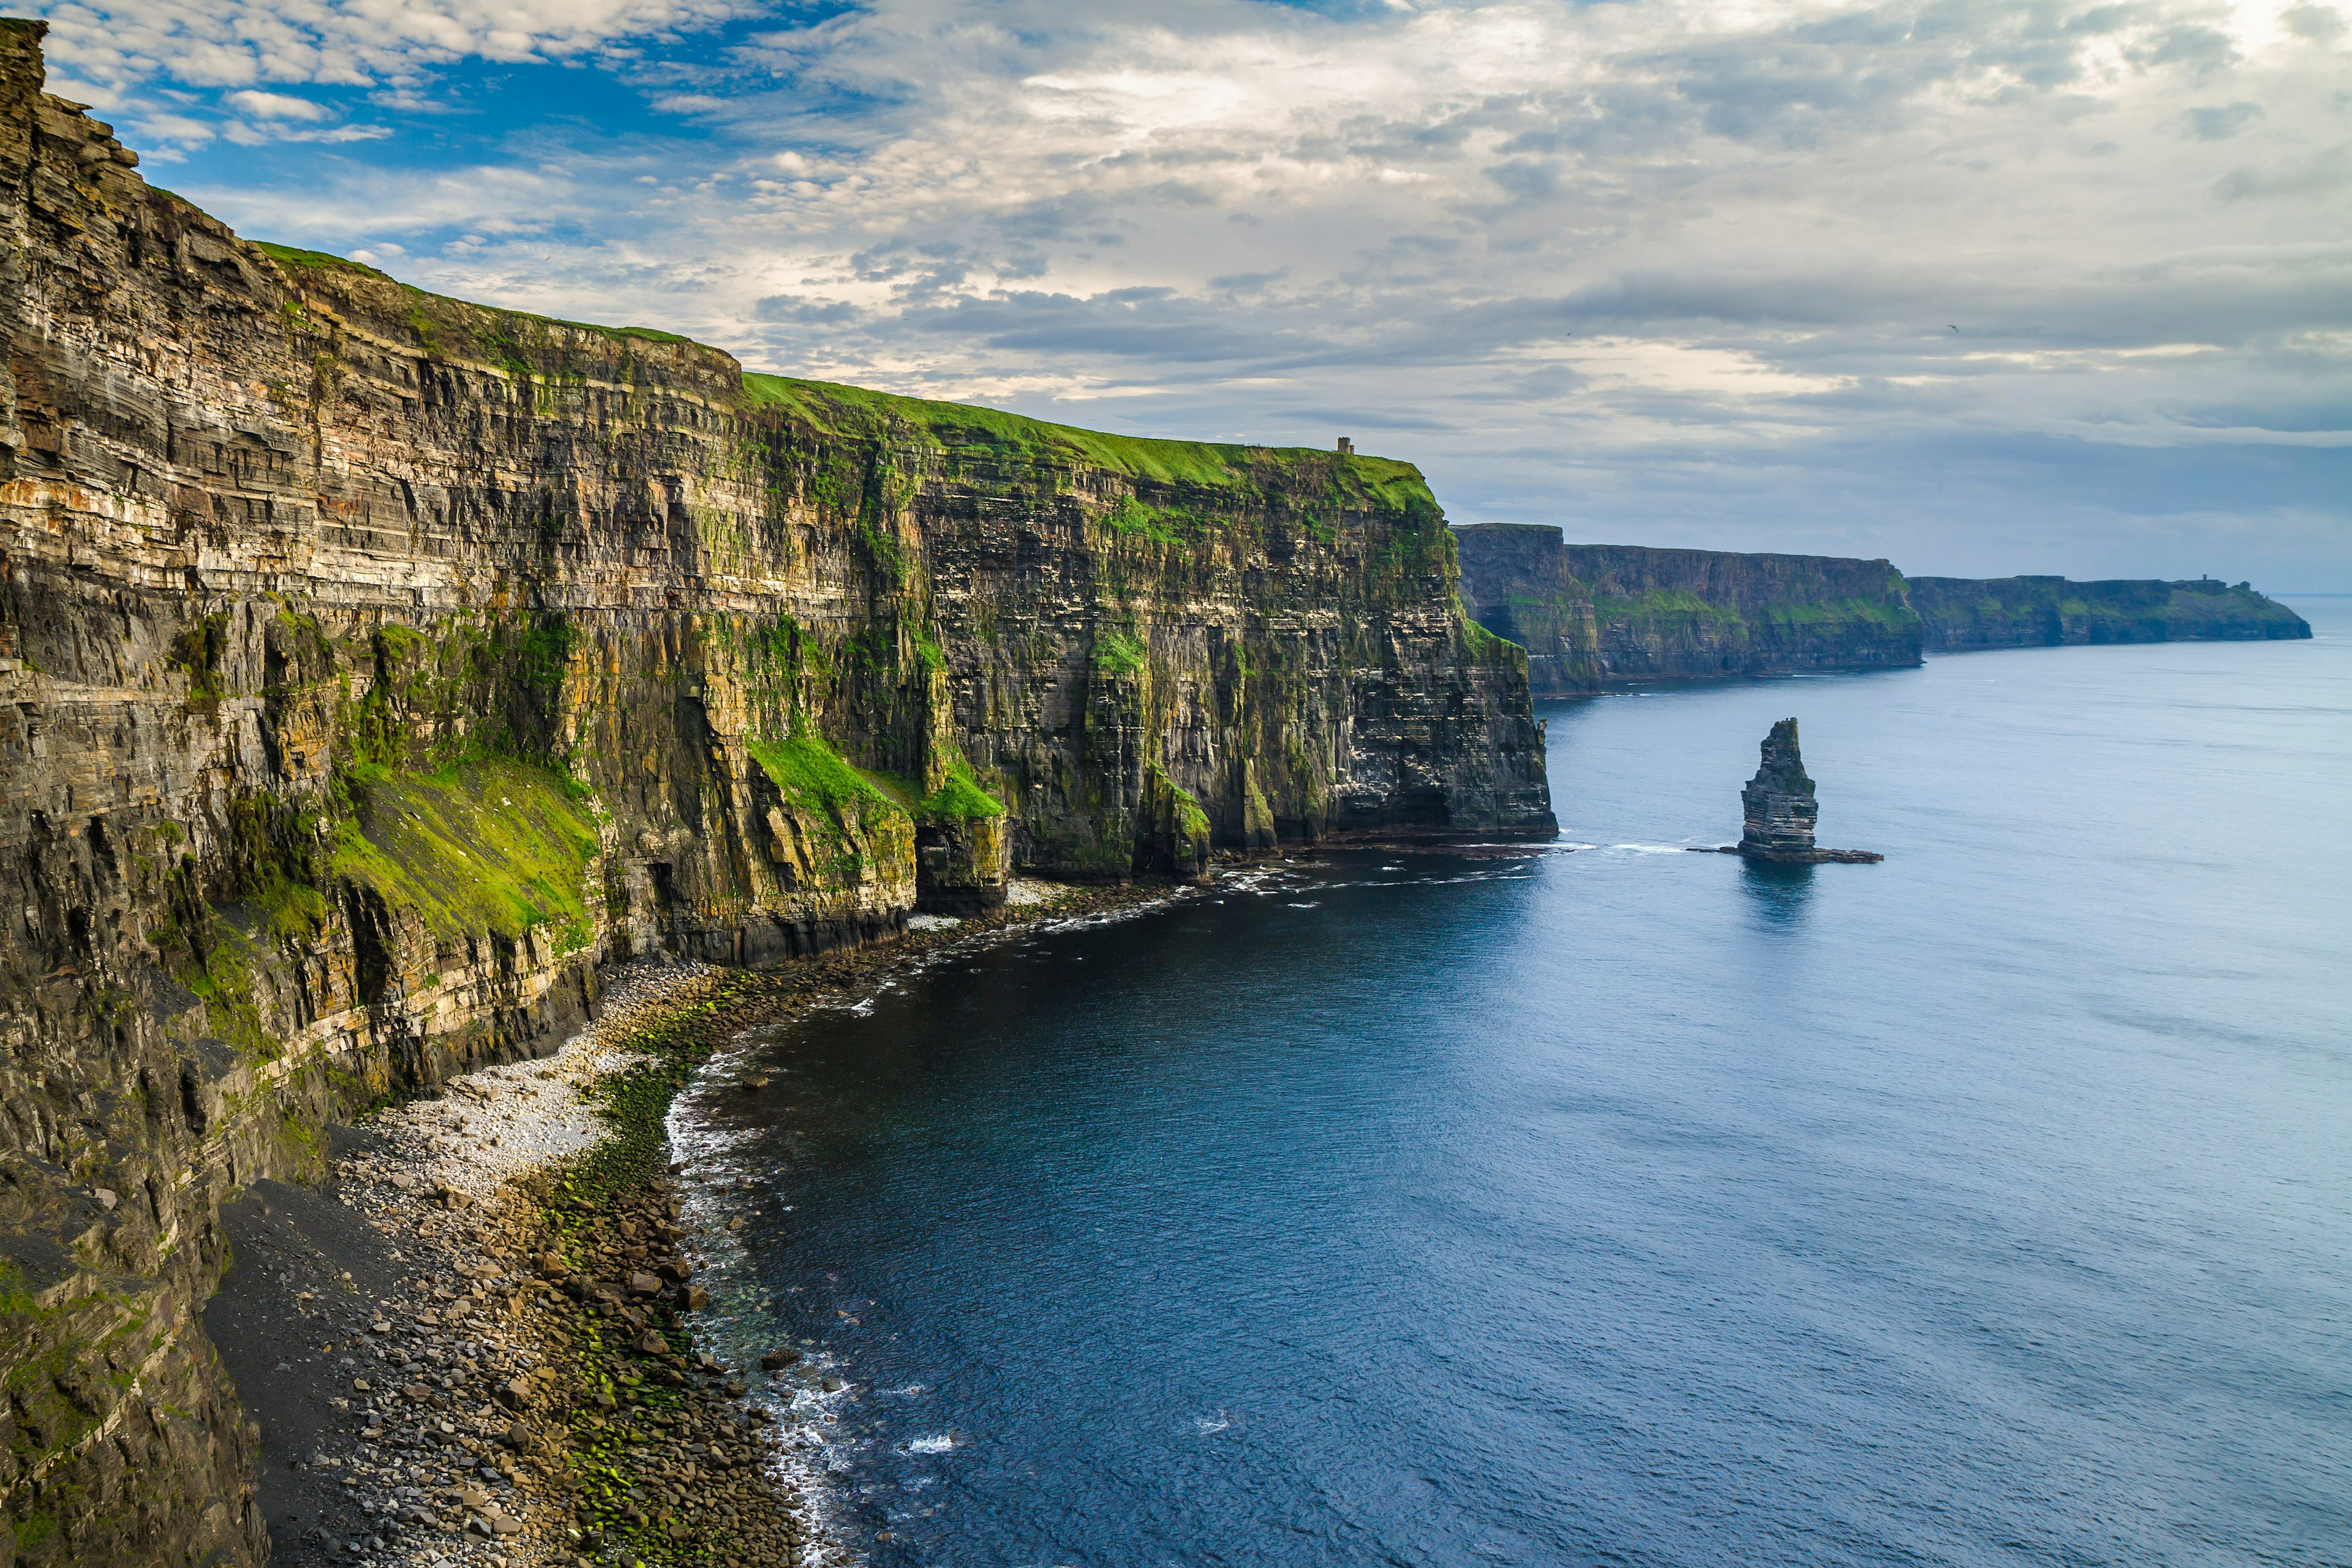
1596 616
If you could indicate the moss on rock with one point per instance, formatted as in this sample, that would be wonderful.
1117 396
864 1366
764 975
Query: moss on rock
489 844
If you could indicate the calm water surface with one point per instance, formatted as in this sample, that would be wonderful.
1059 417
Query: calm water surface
1989 1206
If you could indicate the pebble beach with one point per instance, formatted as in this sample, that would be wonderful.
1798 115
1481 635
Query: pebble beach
472 1343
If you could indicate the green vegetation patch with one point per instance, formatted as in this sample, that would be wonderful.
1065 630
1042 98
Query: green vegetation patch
485 845
1119 656
1191 821
1380 483
960 799
225 981
813 776
1821 612
1663 603
294 259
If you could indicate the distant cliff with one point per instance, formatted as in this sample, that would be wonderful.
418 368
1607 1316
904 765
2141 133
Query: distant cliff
1965 612
1592 615
373 664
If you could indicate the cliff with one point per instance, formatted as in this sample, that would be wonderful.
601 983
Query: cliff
376 664
1598 615
1965 612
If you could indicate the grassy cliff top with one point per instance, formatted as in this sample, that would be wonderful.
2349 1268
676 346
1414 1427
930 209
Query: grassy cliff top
855 411
520 341
296 262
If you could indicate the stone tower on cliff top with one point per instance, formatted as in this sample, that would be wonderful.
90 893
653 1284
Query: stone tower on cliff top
1778 805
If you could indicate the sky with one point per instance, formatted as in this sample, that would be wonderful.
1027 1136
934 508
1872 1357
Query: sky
2040 286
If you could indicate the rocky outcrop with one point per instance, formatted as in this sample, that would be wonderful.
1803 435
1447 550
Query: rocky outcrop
376 664
1778 809
1596 616
1966 613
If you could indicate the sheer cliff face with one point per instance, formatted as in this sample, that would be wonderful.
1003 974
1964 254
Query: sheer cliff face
1965 612
1595 615
375 662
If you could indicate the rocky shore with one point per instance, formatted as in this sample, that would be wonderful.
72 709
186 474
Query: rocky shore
473 1343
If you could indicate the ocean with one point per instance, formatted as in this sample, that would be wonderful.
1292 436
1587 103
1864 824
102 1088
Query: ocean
1617 1205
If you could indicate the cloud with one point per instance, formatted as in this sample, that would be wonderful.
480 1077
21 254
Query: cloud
2220 121
2319 174
2320 24
277 106
235 42
1574 259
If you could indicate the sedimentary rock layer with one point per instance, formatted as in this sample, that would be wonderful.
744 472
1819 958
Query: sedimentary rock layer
375 664
1592 615
1778 808
1964 613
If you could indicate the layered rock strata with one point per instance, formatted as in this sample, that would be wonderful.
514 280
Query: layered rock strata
1596 616
377 664
1960 614
1778 810
1592 616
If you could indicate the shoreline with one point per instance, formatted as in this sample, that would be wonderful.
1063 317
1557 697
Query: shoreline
473 1344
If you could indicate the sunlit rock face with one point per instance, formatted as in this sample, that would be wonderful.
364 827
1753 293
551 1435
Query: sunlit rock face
377 664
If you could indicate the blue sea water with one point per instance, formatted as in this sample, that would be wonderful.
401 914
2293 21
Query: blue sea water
1624 1205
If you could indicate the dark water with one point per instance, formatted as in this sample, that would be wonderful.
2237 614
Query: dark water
1993 1204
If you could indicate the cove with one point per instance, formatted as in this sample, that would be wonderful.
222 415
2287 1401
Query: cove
1620 1204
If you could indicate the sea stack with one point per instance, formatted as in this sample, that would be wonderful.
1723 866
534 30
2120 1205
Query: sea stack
1780 810
1777 804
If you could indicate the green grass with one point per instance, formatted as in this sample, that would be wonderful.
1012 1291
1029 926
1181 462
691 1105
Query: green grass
225 981
1380 482
1119 655
1661 604
294 258
294 910
1191 821
1791 613
960 799
813 776
484 845
291 258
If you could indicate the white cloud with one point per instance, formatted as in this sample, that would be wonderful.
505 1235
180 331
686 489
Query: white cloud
235 42
1549 250
277 106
